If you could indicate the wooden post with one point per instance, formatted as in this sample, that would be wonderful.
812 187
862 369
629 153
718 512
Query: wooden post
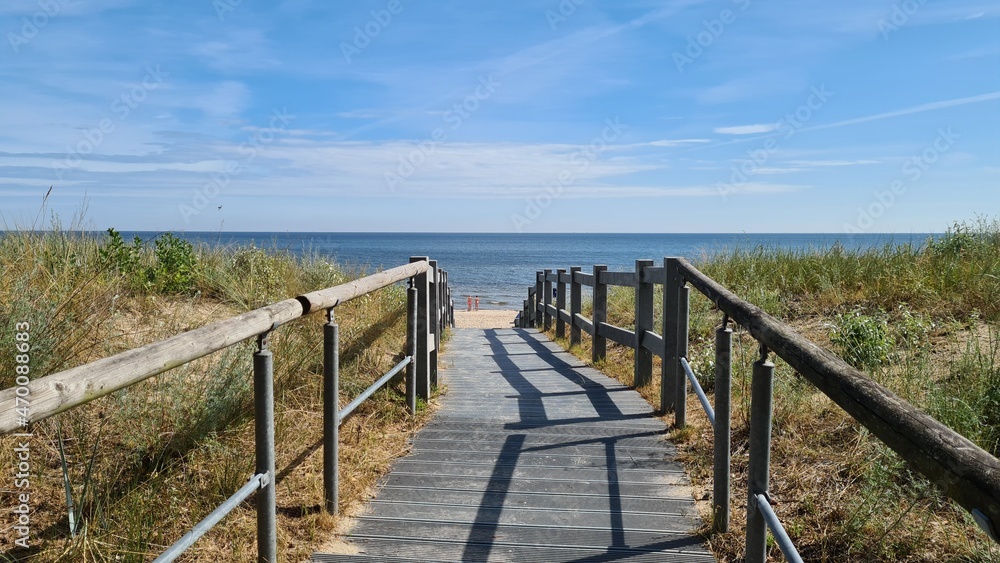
599 343
434 308
575 306
423 334
643 323
671 327
546 300
560 303
536 316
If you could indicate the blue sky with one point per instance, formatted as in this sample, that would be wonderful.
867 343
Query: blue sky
571 116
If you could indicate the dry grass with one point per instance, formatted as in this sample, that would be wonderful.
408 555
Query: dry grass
148 462
842 495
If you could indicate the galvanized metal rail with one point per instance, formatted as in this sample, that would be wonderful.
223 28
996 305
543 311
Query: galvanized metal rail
429 311
968 474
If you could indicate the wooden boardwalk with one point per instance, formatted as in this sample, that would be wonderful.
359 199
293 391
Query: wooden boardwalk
532 457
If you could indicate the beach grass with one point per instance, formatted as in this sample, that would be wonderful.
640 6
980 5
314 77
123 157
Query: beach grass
923 320
146 463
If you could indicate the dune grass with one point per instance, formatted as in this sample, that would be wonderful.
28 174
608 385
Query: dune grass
146 463
923 320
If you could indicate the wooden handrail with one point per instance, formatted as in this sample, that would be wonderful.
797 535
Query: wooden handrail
59 392
967 473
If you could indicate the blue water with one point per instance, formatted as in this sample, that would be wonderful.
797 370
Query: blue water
499 267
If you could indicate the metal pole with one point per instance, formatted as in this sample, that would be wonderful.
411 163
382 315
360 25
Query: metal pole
761 411
723 425
683 323
411 347
331 408
263 398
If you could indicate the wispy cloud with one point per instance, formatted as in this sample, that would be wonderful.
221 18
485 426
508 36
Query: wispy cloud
746 129
944 104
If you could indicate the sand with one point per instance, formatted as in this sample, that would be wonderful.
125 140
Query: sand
485 318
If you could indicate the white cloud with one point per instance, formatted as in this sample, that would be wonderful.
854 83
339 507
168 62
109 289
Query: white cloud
746 129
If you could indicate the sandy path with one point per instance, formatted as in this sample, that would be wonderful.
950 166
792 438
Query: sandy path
485 318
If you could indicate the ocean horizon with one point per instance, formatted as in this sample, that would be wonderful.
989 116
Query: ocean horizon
498 267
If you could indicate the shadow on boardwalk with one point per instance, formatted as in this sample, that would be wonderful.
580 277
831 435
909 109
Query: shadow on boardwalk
533 456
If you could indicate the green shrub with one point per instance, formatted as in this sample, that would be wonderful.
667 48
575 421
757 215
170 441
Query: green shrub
864 340
175 264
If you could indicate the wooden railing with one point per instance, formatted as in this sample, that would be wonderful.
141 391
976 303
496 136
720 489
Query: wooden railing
965 472
429 310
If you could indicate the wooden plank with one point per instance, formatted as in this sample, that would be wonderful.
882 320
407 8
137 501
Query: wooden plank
643 361
584 279
532 457
564 316
967 473
584 323
70 388
653 342
654 274
623 279
619 335
564 276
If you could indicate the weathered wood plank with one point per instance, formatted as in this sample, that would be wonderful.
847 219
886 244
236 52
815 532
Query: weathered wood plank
624 279
583 278
532 457
584 323
967 473
653 342
616 334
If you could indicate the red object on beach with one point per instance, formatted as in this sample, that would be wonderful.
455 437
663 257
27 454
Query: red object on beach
470 304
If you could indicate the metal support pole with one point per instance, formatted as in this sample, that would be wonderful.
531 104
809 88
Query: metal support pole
423 357
560 303
643 372
547 300
411 348
723 426
683 321
671 327
263 399
331 408
758 472
599 344
575 306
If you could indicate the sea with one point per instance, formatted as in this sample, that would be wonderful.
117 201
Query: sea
499 267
